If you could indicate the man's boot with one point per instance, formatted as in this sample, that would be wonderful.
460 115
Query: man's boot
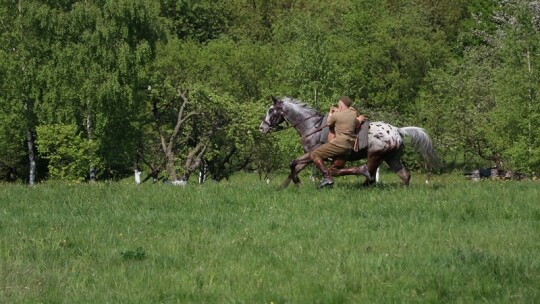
327 179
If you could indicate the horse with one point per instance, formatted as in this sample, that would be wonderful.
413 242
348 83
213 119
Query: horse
385 142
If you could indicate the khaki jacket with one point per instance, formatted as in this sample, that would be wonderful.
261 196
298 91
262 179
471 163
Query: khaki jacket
344 124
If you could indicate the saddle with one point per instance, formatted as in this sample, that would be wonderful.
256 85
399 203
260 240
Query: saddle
362 136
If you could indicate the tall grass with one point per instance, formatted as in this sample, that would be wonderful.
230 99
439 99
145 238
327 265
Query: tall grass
245 242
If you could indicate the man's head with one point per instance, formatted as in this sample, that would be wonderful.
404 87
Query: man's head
346 100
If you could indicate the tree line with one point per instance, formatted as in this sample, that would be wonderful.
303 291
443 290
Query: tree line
92 90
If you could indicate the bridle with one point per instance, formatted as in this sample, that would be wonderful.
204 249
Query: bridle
275 125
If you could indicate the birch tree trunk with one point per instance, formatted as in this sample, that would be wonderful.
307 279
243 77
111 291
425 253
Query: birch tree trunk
31 156
28 116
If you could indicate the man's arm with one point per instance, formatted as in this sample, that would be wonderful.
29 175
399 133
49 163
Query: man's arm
331 118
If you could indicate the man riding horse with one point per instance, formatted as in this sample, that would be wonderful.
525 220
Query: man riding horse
343 120
385 143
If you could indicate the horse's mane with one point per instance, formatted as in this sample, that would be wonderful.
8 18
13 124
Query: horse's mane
300 104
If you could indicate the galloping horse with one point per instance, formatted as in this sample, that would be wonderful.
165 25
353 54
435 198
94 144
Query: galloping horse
385 142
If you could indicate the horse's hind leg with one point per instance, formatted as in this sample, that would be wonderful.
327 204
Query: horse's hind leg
395 165
373 163
338 169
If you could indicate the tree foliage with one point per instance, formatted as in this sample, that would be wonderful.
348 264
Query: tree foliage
489 94
68 153
99 71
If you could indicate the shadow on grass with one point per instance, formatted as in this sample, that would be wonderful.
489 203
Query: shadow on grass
386 186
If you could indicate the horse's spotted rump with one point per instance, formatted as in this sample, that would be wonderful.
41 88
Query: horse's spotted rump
383 137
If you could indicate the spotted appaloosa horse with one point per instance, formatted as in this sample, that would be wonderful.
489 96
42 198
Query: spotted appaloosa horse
385 142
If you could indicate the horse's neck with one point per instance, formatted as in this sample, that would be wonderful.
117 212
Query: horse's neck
301 118
306 122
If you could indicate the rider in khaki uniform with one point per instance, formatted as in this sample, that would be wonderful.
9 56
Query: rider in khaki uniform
344 121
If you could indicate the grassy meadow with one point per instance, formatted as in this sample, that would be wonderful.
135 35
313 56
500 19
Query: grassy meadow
242 241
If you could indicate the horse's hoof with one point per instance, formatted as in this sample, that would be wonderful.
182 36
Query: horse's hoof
326 183
363 170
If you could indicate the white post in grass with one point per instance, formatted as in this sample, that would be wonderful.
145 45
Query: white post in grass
137 177
377 175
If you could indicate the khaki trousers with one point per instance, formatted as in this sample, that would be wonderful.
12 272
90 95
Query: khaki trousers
330 150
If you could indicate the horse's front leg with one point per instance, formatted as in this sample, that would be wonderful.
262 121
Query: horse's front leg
296 166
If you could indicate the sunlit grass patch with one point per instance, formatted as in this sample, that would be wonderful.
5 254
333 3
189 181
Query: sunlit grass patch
245 241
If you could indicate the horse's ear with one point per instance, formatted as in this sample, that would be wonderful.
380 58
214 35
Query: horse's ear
274 99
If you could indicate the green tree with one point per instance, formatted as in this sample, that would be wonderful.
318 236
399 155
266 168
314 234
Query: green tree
169 106
517 110
393 46
195 118
69 154
455 106
98 72
486 101
12 139
309 71
200 20
26 44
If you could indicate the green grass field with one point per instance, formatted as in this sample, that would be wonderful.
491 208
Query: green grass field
243 241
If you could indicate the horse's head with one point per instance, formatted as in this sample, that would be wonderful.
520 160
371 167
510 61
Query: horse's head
274 117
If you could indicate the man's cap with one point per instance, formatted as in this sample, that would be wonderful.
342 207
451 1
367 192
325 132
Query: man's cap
346 100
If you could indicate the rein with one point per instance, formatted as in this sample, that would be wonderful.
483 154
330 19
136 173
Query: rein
312 131
278 128
315 130
304 120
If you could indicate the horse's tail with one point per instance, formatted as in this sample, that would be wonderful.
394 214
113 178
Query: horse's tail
421 142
